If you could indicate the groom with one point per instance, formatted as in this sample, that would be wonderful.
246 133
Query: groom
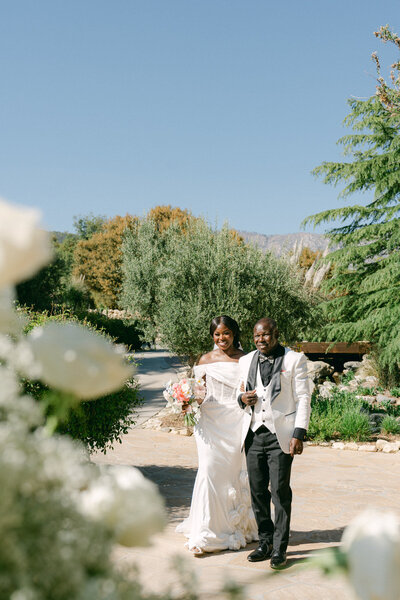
275 396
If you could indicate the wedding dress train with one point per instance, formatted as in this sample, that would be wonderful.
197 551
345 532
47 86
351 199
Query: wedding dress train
220 513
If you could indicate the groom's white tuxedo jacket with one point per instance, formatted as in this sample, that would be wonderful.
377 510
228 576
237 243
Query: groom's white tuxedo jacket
289 393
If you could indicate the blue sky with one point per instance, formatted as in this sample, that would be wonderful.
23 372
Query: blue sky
222 107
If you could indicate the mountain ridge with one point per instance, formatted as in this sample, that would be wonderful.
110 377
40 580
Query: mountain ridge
282 243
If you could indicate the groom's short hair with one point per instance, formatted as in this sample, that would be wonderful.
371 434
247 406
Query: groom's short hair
271 322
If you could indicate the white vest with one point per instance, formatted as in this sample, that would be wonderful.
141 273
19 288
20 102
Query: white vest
262 413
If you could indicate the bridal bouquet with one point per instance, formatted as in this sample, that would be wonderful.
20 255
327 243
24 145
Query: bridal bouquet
186 391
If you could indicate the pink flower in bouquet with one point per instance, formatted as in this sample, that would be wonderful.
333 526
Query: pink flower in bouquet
186 391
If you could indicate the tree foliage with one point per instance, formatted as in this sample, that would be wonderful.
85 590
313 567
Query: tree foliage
179 282
164 216
88 225
364 290
98 260
47 286
143 252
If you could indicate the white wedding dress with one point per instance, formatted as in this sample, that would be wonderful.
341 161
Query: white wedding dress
220 513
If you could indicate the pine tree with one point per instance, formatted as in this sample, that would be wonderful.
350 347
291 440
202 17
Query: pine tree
363 301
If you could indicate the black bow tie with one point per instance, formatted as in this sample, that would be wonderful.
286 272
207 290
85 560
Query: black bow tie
262 358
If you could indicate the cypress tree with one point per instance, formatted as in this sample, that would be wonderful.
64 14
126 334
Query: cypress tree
363 293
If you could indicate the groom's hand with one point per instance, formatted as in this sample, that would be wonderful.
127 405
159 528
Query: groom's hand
296 447
250 398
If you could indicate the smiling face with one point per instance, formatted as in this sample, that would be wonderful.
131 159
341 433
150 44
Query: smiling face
265 336
223 337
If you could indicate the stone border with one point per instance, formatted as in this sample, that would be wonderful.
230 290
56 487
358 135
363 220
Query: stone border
379 446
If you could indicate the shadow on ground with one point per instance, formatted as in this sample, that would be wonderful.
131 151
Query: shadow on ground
316 536
175 484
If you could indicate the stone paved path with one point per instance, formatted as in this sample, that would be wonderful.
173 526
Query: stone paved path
329 486
155 368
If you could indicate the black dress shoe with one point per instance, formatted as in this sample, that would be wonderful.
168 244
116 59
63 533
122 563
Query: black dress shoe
263 552
278 560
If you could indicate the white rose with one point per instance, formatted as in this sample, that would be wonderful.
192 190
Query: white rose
73 359
127 503
372 545
10 321
186 389
24 247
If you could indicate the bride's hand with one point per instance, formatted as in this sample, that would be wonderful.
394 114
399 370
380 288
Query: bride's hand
185 406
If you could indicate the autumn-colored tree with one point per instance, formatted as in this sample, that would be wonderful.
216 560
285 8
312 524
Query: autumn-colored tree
164 216
308 257
98 260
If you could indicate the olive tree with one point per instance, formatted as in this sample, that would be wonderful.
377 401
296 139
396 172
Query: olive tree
180 280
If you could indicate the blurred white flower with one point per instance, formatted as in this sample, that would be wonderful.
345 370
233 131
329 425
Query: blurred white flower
372 545
127 503
20 357
20 412
24 247
10 321
40 480
168 397
73 359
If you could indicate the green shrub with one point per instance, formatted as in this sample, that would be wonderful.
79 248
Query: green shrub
97 423
122 331
76 296
100 423
347 377
36 319
390 425
45 288
365 391
395 392
391 409
341 416
324 419
355 425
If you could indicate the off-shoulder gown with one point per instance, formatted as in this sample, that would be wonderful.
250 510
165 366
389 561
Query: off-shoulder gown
220 513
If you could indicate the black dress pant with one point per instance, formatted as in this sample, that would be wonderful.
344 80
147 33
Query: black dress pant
268 465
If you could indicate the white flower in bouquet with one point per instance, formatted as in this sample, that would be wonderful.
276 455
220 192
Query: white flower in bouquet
24 247
126 502
73 359
372 546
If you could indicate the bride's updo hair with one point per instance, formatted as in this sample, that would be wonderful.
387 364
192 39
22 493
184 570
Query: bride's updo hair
230 324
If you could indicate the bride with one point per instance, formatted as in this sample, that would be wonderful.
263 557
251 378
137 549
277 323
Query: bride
220 513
